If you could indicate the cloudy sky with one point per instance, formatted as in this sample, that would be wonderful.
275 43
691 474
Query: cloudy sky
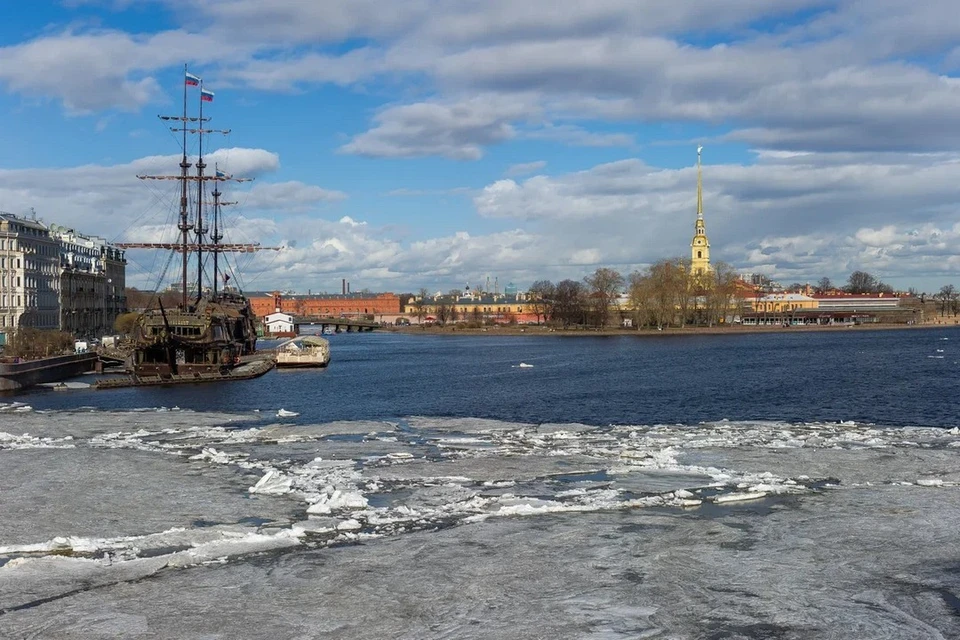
435 143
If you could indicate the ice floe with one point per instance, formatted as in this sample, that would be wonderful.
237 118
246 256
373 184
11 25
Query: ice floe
365 480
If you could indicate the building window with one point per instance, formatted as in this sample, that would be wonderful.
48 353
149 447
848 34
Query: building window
699 254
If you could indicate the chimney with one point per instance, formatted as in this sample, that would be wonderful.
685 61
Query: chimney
343 286
348 287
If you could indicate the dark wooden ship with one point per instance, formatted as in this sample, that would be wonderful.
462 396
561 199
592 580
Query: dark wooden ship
211 333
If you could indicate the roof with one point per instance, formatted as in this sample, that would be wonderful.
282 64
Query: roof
855 296
26 222
788 297
320 296
313 341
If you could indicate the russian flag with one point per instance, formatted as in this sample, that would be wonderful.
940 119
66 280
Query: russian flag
191 80
206 96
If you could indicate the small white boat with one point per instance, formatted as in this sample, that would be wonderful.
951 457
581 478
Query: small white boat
303 352
524 365
283 413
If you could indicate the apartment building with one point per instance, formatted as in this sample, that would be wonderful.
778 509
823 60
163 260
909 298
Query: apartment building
92 281
29 274
52 277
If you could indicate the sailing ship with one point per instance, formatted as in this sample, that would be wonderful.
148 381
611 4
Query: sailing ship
211 332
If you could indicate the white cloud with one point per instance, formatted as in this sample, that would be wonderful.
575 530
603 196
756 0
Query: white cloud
578 136
289 196
791 215
856 129
524 168
457 130
110 201
830 81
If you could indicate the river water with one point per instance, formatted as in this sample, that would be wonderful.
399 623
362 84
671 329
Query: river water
783 485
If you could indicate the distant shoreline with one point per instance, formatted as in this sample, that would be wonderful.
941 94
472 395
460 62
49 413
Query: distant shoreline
537 330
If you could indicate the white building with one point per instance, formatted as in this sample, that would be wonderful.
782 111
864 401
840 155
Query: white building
859 302
54 278
29 275
92 281
279 322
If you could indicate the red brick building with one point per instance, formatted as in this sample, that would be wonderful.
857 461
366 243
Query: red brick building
335 305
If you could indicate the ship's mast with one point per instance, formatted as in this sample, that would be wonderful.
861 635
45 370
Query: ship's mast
216 237
184 246
184 166
199 230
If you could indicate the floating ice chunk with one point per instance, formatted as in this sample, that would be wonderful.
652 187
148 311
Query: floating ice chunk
272 483
930 482
338 500
283 413
524 365
740 497
212 455
683 493
349 525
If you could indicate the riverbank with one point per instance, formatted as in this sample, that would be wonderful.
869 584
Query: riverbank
525 330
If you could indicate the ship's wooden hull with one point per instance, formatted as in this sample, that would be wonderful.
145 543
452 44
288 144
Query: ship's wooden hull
209 338
246 371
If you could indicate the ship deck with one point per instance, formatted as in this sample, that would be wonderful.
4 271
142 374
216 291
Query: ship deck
252 368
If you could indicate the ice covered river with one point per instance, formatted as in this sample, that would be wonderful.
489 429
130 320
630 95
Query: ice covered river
757 486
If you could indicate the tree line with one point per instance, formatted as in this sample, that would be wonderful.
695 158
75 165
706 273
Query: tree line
664 294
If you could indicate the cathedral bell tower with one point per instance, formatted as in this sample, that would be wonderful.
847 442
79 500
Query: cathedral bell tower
700 246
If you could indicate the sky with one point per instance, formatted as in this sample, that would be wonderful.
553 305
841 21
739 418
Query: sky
437 143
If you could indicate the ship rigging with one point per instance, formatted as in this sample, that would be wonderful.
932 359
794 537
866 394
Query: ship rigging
209 334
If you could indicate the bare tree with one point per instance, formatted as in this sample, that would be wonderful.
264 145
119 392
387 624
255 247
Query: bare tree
443 313
604 288
685 284
720 296
863 282
569 305
661 292
823 285
946 297
541 294
418 305
30 343
642 299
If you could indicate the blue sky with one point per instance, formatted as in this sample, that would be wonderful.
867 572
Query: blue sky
433 143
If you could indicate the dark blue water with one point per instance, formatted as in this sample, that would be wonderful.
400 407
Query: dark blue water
894 377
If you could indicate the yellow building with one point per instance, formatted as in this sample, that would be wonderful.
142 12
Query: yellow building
499 309
782 303
700 246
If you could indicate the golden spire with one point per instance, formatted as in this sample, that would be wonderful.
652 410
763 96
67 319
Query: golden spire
699 185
